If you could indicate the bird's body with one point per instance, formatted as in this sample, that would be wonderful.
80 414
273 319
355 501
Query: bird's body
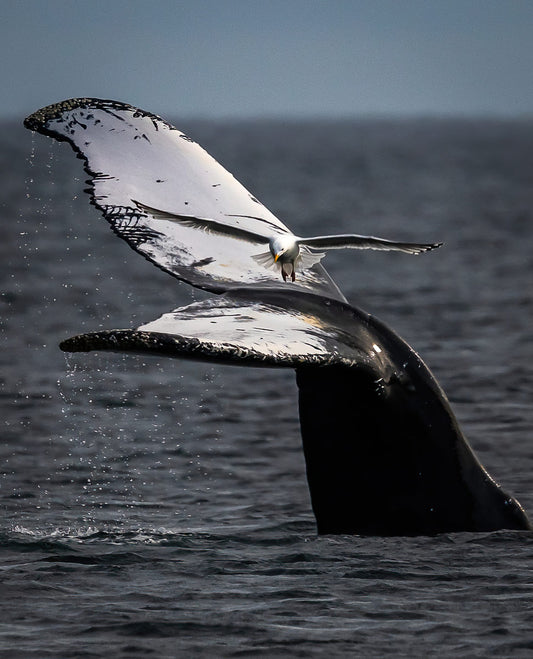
286 251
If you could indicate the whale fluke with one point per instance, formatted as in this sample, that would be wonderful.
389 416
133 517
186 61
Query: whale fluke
134 156
384 453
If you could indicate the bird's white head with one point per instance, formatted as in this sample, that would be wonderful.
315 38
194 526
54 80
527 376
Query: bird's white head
284 248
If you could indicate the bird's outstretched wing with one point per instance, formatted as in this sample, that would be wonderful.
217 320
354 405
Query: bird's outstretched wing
205 224
133 154
353 241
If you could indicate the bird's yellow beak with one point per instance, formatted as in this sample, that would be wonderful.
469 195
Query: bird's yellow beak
276 258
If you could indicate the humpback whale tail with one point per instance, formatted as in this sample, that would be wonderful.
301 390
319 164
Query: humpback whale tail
384 453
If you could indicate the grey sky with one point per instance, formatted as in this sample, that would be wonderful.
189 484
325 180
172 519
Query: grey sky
219 58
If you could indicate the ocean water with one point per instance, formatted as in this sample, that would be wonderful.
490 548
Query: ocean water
158 508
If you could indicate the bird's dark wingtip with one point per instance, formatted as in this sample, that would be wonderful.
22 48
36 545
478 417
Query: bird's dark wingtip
430 247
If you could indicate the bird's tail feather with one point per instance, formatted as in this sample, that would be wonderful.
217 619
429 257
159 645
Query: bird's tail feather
266 260
307 259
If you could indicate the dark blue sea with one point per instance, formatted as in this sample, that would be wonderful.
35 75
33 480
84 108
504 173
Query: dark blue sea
158 508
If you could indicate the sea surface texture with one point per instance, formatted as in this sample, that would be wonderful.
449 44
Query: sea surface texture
158 508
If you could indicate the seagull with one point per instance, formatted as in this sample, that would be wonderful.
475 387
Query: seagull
286 251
